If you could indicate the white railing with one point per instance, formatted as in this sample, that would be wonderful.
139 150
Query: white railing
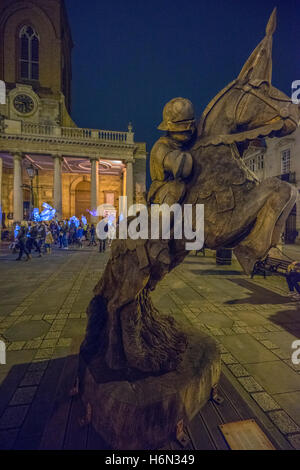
76 133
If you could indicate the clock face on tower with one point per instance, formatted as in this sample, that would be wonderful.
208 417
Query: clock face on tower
23 104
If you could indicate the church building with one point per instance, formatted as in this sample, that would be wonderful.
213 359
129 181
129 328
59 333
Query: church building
44 156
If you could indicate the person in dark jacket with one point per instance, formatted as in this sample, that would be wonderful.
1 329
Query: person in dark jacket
92 233
22 238
79 235
41 236
102 241
33 234
65 227
28 238
60 234
293 280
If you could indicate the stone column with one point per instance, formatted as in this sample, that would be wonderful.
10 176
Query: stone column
129 184
298 216
57 186
94 188
122 208
18 190
1 208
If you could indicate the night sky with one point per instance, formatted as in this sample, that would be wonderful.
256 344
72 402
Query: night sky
131 57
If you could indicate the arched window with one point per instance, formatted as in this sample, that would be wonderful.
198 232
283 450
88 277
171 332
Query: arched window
29 53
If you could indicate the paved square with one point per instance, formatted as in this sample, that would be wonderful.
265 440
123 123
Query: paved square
43 320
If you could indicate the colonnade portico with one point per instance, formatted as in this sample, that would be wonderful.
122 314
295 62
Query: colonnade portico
66 154
18 160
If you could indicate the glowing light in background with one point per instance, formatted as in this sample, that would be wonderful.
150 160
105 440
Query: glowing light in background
36 214
16 231
111 219
47 214
74 220
93 213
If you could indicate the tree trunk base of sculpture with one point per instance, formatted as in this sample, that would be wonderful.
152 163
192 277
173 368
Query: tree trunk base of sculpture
143 414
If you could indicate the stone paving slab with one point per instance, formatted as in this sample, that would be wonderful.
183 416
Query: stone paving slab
6 309
295 441
275 377
265 401
291 403
250 318
13 417
284 422
74 327
214 319
247 349
283 340
17 357
26 330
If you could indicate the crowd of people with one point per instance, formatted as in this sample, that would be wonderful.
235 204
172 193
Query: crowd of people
39 237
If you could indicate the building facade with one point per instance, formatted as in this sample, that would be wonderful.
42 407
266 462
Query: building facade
44 156
280 158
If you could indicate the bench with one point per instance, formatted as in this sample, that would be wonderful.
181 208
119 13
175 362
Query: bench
272 266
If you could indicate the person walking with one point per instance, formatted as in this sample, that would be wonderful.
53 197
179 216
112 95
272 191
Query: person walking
48 241
60 234
28 238
111 233
65 235
42 236
54 230
72 233
92 234
102 241
79 236
293 279
33 234
86 232
85 228
22 238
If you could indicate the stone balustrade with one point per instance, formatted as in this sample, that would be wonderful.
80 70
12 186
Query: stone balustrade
75 133
36 129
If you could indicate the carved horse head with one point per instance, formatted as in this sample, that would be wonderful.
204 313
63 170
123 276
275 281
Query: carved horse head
250 106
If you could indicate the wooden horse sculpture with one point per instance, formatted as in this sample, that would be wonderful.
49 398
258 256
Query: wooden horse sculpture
240 212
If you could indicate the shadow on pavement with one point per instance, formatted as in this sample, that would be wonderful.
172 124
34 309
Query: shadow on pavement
38 412
215 272
288 319
259 295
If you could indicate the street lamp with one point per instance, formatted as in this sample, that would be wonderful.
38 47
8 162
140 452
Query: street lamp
31 172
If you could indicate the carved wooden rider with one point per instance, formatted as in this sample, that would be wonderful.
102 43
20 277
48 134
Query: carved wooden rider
170 160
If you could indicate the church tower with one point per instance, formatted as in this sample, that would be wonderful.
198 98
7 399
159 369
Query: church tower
45 158
35 61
